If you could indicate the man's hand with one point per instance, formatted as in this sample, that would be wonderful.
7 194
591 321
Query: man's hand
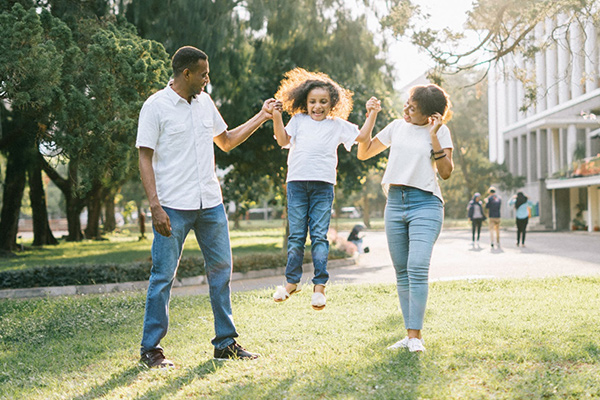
267 108
161 221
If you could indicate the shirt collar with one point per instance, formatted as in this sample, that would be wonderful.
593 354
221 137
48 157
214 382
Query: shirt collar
175 97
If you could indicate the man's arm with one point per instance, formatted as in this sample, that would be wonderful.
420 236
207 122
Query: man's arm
231 139
160 219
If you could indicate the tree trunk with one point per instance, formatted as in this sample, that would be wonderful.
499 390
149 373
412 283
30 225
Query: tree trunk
74 207
366 206
74 203
94 207
110 223
14 186
42 234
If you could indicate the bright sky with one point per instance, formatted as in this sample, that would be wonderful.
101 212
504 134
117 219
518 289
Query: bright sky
409 62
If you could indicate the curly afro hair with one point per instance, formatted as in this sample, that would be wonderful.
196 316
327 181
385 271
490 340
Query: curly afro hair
296 85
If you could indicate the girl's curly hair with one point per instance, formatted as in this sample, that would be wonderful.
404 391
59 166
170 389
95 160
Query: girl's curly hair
296 85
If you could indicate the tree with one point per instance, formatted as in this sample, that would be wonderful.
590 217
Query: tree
504 27
31 55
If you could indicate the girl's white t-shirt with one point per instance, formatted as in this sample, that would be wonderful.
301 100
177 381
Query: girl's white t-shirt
313 147
410 162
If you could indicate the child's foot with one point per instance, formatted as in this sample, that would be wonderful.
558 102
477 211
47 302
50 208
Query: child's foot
318 300
283 293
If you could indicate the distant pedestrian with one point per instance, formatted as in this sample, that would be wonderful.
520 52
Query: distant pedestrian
420 150
319 109
476 215
522 204
493 203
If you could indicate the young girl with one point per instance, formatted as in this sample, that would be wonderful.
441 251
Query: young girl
319 107
420 147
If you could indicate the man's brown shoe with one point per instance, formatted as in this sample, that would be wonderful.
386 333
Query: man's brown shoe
156 359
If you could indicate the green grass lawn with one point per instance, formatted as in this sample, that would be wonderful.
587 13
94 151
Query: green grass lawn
501 339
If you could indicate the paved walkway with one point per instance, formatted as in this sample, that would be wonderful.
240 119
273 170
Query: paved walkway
547 254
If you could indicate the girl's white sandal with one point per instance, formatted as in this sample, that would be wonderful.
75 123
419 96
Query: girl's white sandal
318 301
282 295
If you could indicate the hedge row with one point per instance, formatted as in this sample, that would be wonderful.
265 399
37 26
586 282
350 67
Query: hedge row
90 274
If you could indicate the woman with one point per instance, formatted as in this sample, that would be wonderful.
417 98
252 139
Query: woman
420 146
521 204
476 215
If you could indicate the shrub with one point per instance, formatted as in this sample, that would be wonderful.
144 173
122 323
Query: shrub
90 274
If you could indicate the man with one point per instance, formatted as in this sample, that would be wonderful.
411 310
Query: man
493 204
177 127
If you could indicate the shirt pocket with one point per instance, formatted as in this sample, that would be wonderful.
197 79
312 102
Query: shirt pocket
206 127
175 134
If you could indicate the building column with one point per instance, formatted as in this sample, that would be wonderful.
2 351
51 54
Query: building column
571 144
563 61
540 71
592 210
577 76
551 55
519 165
539 154
591 57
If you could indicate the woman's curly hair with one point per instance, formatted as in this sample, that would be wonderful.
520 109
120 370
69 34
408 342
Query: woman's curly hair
297 83
432 99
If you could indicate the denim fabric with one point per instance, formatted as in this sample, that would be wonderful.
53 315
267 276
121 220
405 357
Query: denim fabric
212 233
413 221
309 207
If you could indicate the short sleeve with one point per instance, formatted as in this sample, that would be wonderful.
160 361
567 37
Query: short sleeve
385 135
292 129
348 133
148 126
444 137
219 125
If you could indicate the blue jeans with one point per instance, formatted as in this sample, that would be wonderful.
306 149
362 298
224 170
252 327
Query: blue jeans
413 221
212 233
309 206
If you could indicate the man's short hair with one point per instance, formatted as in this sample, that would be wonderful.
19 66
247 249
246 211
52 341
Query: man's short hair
186 57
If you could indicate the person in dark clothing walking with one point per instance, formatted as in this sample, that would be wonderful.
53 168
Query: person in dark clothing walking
493 204
477 216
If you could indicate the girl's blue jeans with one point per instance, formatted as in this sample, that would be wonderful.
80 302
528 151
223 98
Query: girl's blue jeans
413 221
212 233
309 207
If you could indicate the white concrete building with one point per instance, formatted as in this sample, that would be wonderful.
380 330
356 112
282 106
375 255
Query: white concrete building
546 140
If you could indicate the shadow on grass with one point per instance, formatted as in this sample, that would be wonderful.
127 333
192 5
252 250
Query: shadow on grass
123 378
383 374
173 386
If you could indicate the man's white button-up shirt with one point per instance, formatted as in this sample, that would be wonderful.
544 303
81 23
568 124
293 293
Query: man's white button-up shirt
181 135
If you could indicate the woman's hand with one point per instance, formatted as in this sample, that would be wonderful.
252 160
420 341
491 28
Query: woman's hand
436 122
373 105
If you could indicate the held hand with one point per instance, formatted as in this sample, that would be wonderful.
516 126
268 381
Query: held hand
373 105
436 122
267 108
161 221
277 108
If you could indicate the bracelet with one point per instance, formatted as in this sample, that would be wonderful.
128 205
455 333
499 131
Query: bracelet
433 153
440 157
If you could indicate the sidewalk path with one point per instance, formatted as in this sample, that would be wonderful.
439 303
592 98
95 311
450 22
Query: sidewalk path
547 254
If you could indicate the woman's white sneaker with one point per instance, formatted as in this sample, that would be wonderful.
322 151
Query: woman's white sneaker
415 345
400 344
